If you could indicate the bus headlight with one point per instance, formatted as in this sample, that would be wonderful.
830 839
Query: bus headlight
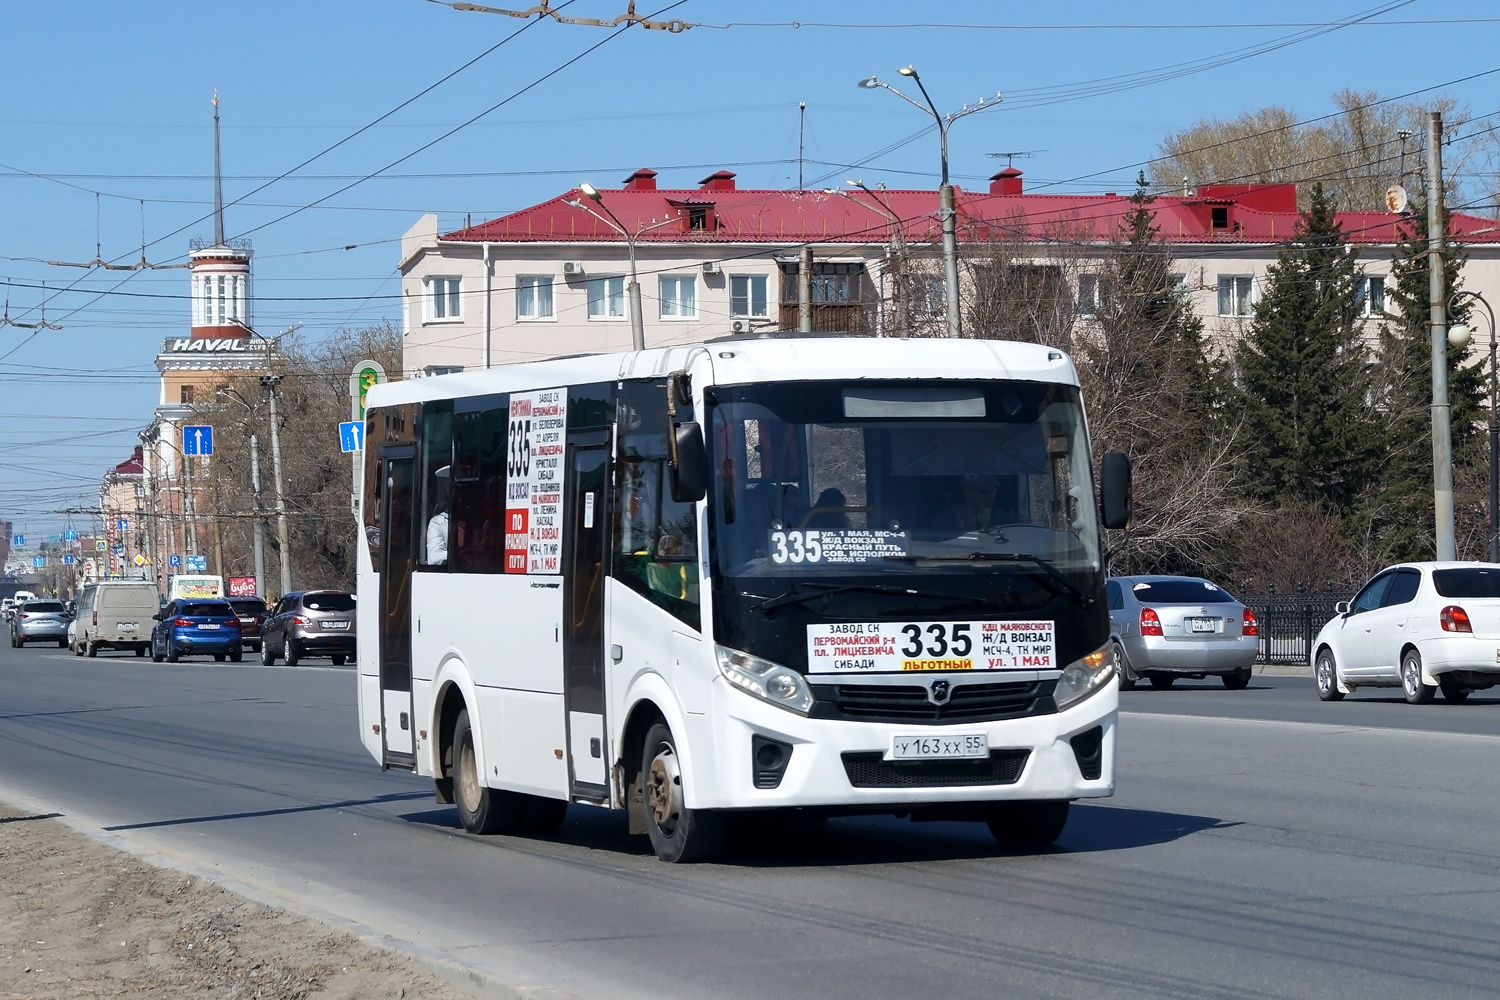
1084 676
781 686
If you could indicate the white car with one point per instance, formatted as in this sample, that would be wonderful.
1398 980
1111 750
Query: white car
1419 626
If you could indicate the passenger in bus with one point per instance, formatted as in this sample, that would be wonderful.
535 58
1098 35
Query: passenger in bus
437 525
830 512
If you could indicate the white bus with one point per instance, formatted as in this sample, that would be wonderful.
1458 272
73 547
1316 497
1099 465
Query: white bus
840 576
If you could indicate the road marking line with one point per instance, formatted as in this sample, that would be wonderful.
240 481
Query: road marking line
1326 727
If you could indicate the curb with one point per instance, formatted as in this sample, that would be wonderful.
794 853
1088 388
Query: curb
491 984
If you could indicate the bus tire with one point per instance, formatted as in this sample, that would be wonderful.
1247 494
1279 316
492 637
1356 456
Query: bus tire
1028 825
543 817
678 834
481 810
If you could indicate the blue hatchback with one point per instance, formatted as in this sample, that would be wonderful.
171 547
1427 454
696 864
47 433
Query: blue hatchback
190 627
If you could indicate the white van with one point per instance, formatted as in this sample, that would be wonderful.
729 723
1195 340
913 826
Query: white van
115 614
195 587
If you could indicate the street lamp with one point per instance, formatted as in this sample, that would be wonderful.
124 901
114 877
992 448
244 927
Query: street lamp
1459 336
258 525
633 292
947 211
270 383
898 253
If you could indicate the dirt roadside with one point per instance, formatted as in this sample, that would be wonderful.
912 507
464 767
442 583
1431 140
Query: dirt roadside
79 919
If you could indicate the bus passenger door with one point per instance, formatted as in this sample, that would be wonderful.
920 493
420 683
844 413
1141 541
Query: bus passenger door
397 555
585 545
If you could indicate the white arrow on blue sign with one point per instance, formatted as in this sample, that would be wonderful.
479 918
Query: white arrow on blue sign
197 439
38 561
70 535
352 435
122 525
197 564
67 558
19 540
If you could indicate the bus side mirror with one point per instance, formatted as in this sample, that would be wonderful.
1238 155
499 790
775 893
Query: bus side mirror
1116 490
690 470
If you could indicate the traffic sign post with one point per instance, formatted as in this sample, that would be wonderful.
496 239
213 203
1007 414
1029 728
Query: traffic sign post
100 545
365 376
197 564
197 439
352 436
122 525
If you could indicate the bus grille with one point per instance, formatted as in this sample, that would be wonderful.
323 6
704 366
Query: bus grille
867 770
909 703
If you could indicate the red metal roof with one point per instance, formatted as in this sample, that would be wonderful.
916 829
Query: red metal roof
1256 213
132 466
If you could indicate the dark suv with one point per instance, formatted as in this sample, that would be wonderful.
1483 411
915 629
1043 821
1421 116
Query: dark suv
309 623
252 613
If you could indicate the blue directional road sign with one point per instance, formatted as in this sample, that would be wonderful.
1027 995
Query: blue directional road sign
352 436
197 564
70 535
38 561
124 525
67 558
18 541
174 560
197 439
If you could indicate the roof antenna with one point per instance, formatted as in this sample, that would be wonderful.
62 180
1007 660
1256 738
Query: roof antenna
1010 156
801 123
218 180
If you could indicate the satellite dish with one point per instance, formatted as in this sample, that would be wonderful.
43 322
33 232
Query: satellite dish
1395 199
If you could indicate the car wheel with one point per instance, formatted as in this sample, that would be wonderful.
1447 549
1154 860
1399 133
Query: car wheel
481 810
1028 825
293 654
77 649
62 644
219 657
236 655
172 655
1452 690
20 643
255 647
267 658
1237 681
678 834
339 659
140 651
1128 676
1326 674
155 656
1162 681
1416 692
90 648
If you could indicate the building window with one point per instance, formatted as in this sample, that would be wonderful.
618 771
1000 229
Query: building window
1219 217
1234 294
697 218
534 296
607 297
927 296
1090 298
679 296
185 394
443 299
747 295
1370 292
836 282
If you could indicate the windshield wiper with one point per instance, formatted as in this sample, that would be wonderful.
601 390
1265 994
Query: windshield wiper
825 589
1049 572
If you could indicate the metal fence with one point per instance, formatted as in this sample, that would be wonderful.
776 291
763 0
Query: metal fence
1290 622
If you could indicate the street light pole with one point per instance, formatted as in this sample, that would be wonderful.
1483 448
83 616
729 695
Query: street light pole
258 525
947 209
1459 336
898 257
633 292
1442 415
271 382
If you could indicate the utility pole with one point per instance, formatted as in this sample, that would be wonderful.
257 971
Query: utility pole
1442 429
271 382
804 291
259 526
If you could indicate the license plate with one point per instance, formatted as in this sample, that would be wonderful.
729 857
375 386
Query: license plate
126 626
209 627
247 621
947 747
1205 624
344 626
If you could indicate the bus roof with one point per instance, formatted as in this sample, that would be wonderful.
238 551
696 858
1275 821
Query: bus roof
743 360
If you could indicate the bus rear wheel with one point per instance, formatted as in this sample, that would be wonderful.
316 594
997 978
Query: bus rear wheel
481 810
1028 825
678 834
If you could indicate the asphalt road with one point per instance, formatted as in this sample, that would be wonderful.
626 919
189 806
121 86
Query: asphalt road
1262 844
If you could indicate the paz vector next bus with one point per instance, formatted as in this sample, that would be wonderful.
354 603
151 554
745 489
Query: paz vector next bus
777 573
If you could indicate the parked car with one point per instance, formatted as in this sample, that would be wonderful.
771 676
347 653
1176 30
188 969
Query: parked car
1166 627
252 612
1420 626
39 621
310 623
189 627
115 614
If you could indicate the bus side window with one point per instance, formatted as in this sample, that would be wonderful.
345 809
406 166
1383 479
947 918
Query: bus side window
477 502
434 477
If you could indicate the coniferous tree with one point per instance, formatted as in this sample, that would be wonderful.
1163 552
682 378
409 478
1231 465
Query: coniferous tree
1304 389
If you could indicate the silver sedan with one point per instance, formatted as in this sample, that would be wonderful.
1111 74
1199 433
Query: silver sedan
1166 627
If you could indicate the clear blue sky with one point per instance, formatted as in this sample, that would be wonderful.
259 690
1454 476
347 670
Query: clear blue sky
114 98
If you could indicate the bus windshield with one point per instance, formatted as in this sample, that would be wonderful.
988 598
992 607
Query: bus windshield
890 478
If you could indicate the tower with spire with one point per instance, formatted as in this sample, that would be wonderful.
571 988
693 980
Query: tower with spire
220 270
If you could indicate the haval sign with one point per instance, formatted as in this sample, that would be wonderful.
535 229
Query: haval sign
209 345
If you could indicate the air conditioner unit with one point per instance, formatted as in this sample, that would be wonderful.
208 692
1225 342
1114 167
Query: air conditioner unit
573 268
711 267
739 326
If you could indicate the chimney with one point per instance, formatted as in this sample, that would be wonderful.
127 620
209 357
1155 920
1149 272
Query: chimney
643 179
722 180
1007 181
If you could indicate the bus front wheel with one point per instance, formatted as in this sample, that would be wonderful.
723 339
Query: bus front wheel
481 810
678 834
1028 825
